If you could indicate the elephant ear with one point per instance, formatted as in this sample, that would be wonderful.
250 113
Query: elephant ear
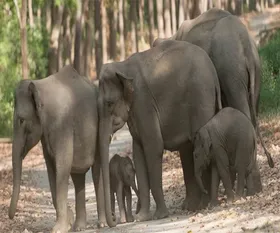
127 83
35 97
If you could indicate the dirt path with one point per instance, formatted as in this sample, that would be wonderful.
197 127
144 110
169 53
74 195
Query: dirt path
35 211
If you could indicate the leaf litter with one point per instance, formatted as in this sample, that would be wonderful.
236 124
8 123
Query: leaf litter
260 213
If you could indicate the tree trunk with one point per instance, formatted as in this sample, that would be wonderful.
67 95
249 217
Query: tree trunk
121 25
104 31
78 37
239 7
88 42
181 13
173 16
30 12
151 22
53 48
252 5
195 11
134 30
160 18
141 19
112 16
98 37
167 18
67 45
23 36
48 16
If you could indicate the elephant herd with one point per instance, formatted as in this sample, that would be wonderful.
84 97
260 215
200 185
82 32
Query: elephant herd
196 92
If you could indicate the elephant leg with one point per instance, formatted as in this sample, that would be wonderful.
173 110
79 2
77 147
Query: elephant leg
120 200
222 162
240 182
52 180
215 181
129 216
51 176
80 198
142 181
99 192
64 158
153 150
193 194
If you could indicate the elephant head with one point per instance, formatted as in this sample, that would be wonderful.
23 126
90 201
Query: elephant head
27 132
202 146
114 102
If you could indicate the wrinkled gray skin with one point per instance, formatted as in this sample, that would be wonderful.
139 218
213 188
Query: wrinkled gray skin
228 142
50 110
235 57
122 177
144 90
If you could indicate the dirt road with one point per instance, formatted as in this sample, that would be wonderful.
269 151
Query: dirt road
36 213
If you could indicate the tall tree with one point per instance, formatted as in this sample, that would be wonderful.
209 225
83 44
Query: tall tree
252 5
121 26
160 18
112 18
104 31
98 36
134 30
181 17
78 36
173 16
151 21
30 12
141 19
167 18
89 33
23 36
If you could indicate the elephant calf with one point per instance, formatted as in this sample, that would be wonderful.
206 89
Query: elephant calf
228 142
122 177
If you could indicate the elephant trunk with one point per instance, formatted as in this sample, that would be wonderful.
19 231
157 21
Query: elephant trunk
104 140
17 155
199 182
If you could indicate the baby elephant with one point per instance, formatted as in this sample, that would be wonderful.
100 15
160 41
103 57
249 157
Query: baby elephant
122 177
228 142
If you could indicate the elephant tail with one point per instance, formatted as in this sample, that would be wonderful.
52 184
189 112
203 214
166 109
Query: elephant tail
252 73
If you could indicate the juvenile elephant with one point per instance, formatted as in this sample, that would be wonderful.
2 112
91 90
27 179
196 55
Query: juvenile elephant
61 111
122 177
235 57
228 143
165 101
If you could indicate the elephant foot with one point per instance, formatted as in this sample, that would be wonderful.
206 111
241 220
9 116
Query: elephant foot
192 204
79 225
129 218
143 216
102 222
60 228
214 203
161 213
122 219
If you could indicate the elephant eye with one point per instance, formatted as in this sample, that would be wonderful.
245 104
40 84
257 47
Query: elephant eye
21 121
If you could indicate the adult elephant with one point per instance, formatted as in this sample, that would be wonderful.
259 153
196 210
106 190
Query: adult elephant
165 101
234 54
61 111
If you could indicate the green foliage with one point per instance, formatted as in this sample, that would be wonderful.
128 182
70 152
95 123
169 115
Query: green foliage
270 90
271 53
10 60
